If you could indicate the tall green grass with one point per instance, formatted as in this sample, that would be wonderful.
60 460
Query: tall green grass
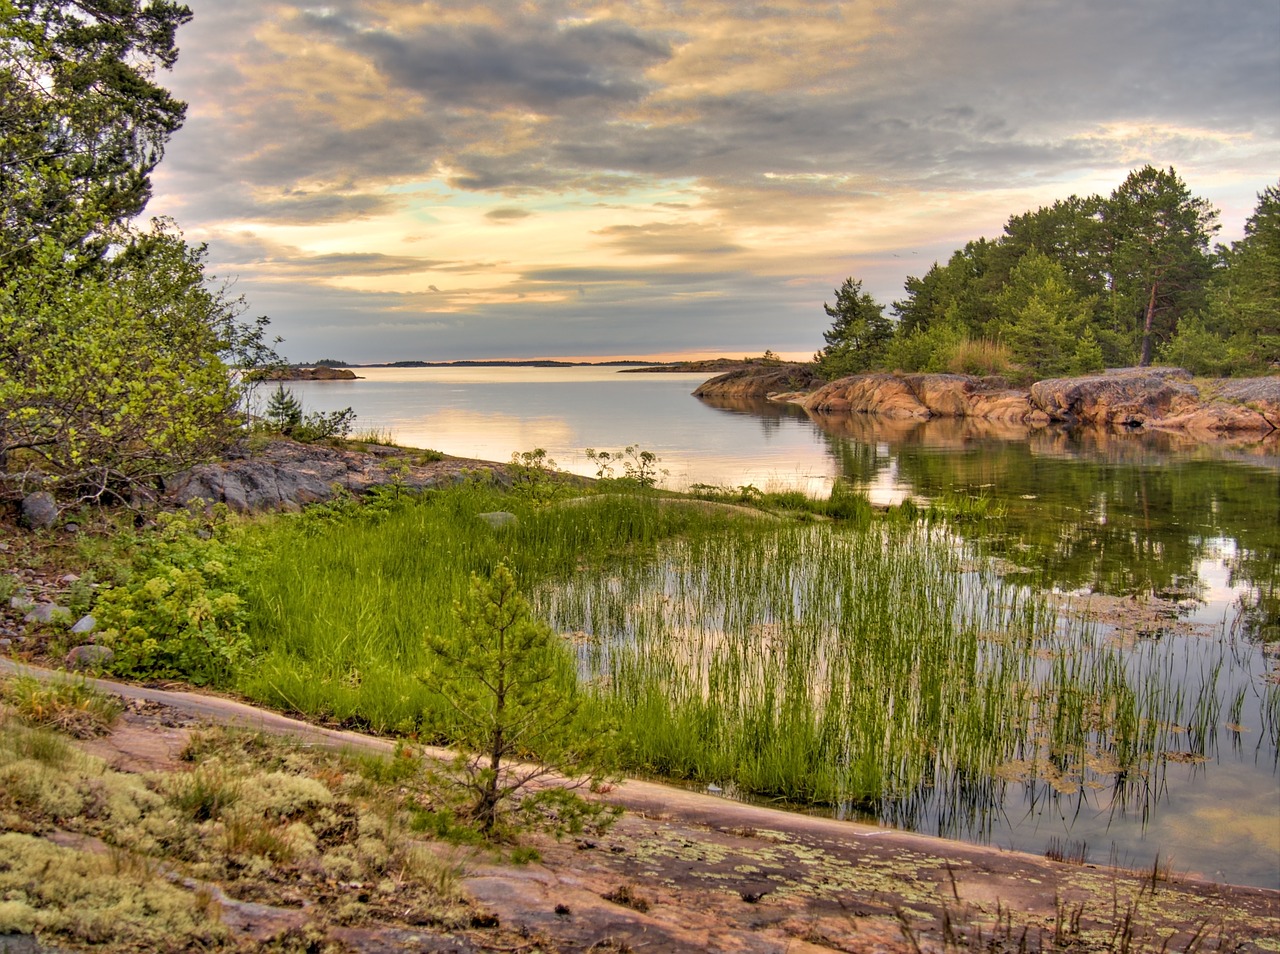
866 663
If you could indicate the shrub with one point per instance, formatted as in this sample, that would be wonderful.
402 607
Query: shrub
181 612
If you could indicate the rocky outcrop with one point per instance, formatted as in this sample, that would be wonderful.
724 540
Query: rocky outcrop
759 382
1152 398
924 396
1131 397
286 475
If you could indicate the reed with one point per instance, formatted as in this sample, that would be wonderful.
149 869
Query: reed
870 664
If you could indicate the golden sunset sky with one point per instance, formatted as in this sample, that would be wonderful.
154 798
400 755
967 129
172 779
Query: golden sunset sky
393 180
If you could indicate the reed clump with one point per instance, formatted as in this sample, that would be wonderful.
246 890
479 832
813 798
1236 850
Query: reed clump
865 663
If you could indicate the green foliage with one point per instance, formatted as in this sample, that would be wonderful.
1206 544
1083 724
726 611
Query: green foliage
1096 281
534 476
1041 318
84 124
1243 307
284 415
858 334
111 377
639 467
1197 349
283 411
180 613
512 685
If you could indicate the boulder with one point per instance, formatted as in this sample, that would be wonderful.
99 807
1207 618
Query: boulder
286 475
1261 395
46 613
90 656
38 511
945 395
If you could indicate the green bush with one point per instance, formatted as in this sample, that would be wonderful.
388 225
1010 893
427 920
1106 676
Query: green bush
180 613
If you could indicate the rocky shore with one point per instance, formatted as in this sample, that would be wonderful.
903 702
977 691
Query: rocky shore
1147 398
287 475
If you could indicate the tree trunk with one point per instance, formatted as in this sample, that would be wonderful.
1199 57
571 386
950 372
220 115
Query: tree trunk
1145 360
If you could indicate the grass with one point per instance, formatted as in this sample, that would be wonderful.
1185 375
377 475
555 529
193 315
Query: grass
71 705
867 663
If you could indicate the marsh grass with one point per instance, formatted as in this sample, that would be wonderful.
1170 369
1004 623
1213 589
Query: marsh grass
869 664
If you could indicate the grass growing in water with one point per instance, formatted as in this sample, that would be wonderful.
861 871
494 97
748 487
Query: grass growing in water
863 663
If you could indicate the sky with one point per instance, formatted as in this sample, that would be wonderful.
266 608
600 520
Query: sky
392 180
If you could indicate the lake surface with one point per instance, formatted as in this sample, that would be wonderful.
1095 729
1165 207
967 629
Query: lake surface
1189 534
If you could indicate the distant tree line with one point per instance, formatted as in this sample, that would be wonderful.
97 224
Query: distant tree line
1083 284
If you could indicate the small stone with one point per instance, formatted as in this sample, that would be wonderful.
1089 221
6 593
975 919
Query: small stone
21 603
38 510
90 656
86 624
498 519
69 578
5 642
46 613
72 528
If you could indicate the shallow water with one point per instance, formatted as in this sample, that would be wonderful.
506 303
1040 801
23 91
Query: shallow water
1105 516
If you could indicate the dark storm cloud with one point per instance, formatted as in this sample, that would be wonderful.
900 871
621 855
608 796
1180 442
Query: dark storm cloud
538 65
944 94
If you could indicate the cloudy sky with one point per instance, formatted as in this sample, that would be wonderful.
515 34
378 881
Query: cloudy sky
392 179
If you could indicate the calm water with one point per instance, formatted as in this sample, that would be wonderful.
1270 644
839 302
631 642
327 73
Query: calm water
1091 514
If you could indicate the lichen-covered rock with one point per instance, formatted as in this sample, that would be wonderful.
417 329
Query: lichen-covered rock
1261 395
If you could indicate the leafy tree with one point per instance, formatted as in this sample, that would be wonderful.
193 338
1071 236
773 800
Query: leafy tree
111 377
512 684
84 123
114 350
858 335
1158 238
